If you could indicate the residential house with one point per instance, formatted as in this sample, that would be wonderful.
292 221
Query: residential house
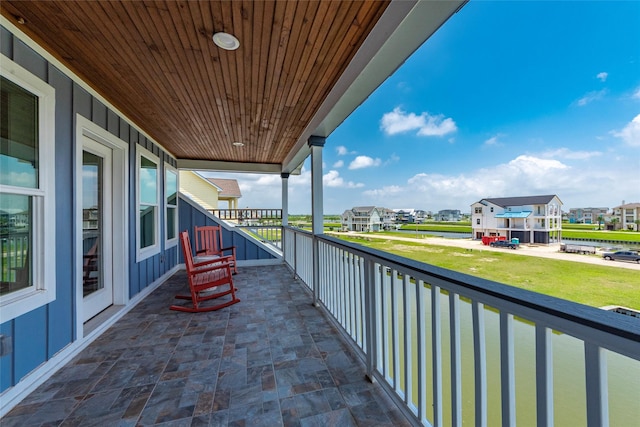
627 216
363 219
411 216
531 219
209 192
229 191
388 218
122 96
199 189
449 215
587 215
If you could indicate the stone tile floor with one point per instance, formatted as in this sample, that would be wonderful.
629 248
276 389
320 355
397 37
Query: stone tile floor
270 360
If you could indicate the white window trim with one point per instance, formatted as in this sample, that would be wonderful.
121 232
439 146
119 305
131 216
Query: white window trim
44 214
149 251
168 243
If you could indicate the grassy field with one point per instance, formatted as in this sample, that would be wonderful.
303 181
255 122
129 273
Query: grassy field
588 284
569 231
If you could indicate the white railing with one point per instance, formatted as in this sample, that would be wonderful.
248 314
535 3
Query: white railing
449 346
298 253
268 234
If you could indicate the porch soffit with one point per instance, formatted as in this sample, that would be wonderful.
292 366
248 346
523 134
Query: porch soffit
301 68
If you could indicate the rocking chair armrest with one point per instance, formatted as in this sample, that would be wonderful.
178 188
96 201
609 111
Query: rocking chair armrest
230 248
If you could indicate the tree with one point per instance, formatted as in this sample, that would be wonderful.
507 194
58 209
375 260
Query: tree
600 221
614 221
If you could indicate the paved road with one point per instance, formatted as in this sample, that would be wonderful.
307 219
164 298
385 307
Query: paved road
544 251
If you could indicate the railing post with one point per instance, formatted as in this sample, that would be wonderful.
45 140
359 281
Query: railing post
369 317
544 377
596 384
316 143
316 269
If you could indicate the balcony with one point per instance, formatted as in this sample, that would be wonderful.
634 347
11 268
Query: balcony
270 360
441 347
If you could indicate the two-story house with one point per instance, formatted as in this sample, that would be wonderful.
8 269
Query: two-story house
586 215
449 215
362 218
531 219
628 216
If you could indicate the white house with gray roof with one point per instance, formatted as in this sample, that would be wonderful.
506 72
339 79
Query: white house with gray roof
363 218
531 219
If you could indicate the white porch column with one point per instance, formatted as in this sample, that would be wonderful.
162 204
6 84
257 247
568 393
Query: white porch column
316 143
285 198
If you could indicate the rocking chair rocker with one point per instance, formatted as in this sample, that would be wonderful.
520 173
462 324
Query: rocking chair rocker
207 279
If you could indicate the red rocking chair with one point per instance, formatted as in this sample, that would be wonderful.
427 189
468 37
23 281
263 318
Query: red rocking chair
209 279
209 243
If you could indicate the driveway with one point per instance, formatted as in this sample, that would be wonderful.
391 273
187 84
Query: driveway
543 251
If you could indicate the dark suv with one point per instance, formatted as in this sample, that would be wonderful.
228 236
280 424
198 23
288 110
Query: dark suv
503 244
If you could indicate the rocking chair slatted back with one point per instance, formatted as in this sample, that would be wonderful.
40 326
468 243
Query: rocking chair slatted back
209 243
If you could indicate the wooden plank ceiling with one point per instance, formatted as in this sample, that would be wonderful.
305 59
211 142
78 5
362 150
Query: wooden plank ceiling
155 61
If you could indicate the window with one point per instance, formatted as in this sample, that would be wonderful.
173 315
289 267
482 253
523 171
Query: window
478 221
27 203
148 224
478 210
491 208
171 205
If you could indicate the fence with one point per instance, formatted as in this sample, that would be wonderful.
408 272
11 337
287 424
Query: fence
437 339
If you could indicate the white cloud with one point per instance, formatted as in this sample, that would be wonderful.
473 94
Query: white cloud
631 132
338 164
387 190
333 179
565 153
494 141
343 151
361 162
636 94
602 76
591 96
398 121
524 175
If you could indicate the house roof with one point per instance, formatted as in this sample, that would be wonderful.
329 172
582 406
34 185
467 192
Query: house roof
628 206
228 187
302 67
363 208
521 201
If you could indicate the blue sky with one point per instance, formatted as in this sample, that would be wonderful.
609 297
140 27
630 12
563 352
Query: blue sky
508 98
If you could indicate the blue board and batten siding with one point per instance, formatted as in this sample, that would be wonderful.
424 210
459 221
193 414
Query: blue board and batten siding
192 215
40 334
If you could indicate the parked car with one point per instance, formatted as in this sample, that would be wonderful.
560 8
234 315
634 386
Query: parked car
622 256
503 244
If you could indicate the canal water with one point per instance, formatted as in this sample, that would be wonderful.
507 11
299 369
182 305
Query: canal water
569 390
568 369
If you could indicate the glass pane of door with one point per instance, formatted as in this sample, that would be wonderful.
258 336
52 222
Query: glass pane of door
92 220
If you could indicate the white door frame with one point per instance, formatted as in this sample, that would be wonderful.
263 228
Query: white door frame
120 209
100 299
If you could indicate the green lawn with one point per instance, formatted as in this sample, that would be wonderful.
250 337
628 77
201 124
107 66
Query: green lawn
569 231
588 284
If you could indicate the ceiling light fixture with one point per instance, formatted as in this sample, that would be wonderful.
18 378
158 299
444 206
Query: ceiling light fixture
226 41
238 144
